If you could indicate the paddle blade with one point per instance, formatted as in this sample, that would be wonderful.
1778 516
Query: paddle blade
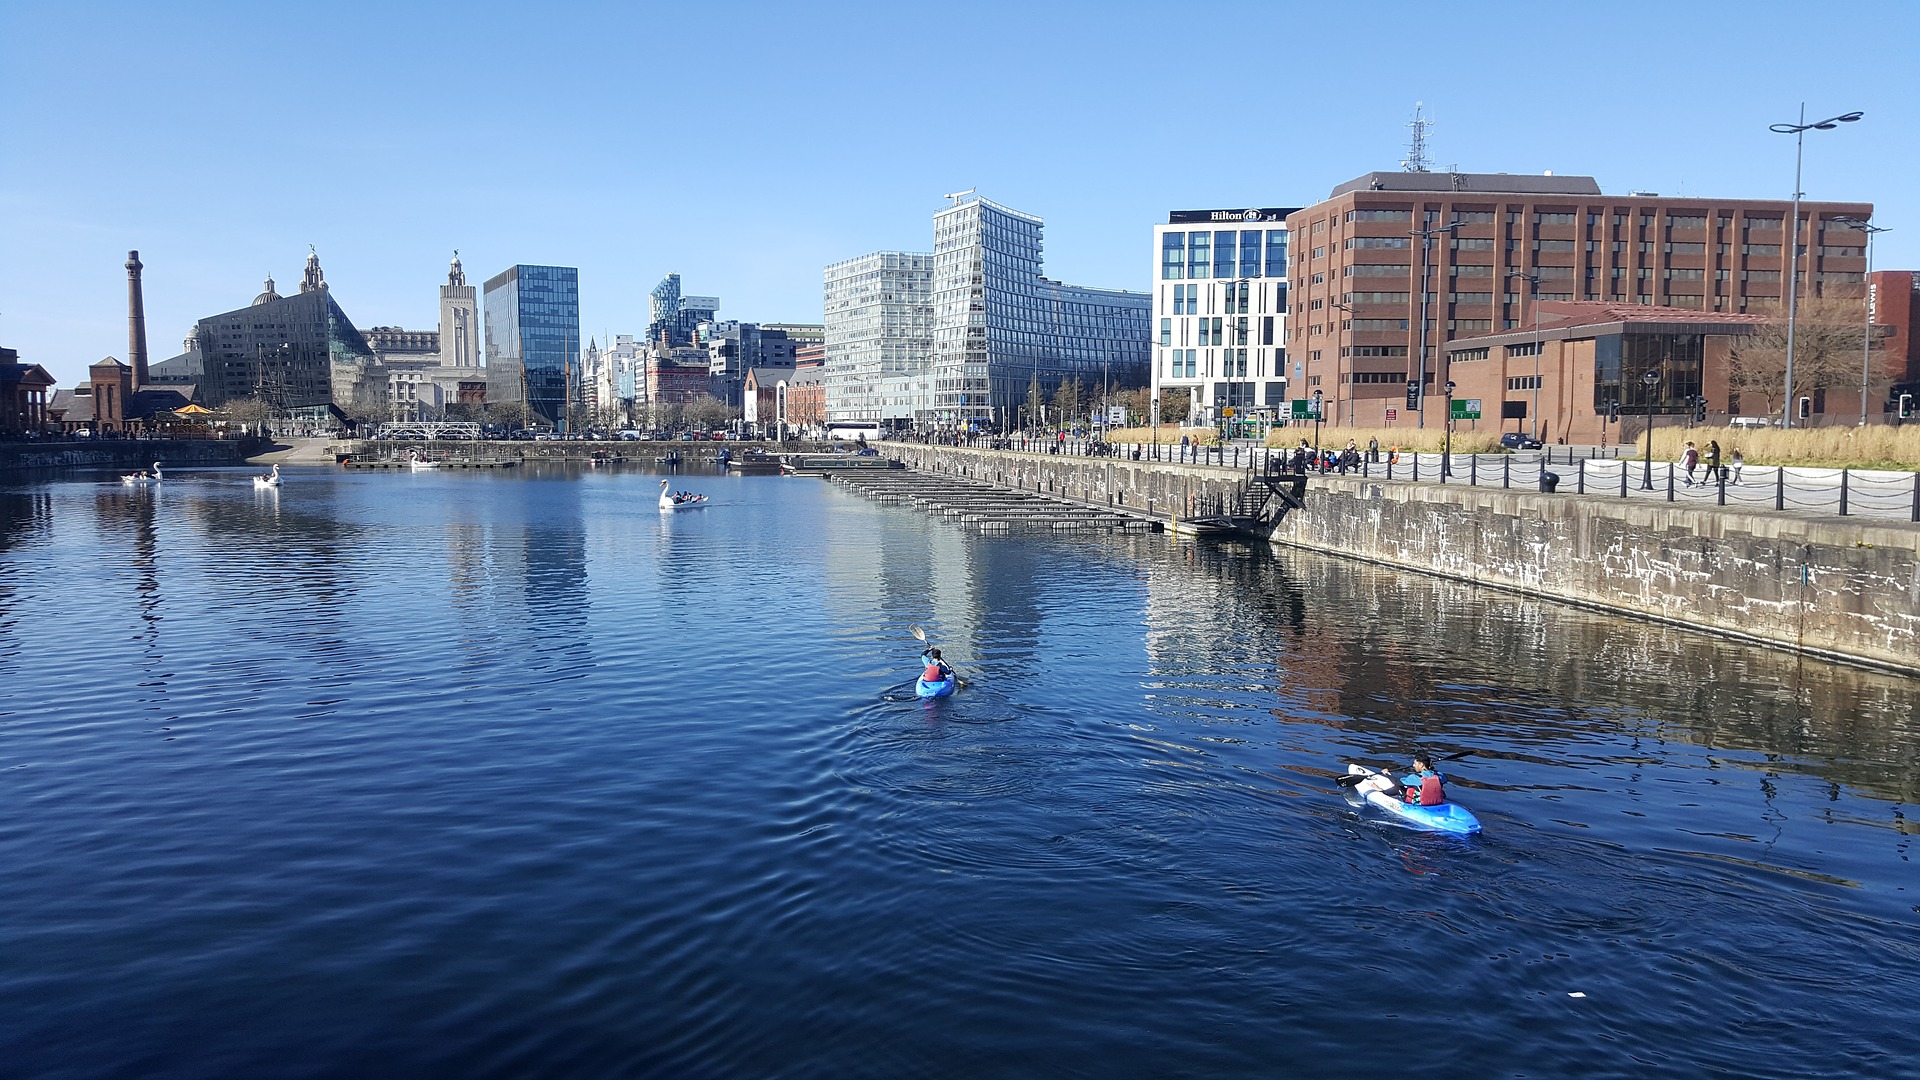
919 633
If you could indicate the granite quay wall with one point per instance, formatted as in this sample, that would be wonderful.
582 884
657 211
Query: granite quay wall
1838 587
120 453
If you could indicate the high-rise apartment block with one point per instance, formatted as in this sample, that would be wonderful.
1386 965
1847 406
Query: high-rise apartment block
675 318
1220 313
879 336
999 325
533 338
1488 246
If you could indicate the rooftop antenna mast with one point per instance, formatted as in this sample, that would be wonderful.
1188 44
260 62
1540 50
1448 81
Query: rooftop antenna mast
1417 160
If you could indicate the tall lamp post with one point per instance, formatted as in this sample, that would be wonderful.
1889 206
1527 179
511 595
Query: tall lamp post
1651 379
1533 293
1866 297
1446 451
1317 415
1799 132
1426 247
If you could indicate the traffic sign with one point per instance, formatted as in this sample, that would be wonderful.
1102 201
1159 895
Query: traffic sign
1392 415
1227 412
1466 408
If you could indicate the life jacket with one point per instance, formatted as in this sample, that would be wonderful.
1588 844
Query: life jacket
1429 793
933 674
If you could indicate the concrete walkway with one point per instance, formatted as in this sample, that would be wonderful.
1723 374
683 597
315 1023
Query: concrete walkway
297 452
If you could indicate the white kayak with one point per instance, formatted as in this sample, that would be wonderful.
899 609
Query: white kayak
1381 791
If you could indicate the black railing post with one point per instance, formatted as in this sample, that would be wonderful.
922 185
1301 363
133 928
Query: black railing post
1473 471
1779 487
1721 480
1669 481
1580 476
1843 493
1506 471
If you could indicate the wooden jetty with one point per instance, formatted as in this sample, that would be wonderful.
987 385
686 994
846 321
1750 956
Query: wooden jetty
988 507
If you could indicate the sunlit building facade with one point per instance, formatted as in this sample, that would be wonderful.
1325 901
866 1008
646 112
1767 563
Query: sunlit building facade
999 325
879 335
1220 314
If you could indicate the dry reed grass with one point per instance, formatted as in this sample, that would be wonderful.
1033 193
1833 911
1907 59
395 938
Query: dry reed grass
1169 435
1876 446
1425 440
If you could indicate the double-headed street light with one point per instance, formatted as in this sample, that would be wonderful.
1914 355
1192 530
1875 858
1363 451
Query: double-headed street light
1446 453
1799 132
1533 280
1317 416
1426 247
1866 297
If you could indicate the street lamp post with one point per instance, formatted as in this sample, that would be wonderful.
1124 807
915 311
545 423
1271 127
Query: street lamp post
1317 416
1651 379
1799 131
1866 298
1426 247
1446 450
1533 292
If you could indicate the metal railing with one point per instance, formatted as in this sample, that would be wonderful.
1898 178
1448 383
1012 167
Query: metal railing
1884 494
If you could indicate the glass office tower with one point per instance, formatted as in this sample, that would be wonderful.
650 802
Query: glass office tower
533 339
998 324
879 335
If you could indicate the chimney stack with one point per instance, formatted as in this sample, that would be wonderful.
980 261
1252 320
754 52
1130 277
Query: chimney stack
136 323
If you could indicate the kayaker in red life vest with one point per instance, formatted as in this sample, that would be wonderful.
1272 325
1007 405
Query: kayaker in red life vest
937 669
1425 786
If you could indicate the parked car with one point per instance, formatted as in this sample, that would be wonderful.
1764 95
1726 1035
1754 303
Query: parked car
1519 440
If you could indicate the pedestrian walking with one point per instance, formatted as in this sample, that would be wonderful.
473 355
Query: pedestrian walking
1713 461
1690 460
1373 450
1737 461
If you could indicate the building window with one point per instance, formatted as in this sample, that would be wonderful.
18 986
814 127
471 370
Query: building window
1377 324
1224 253
1686 221
1166 332
1473 217
1462 356
1276 253
1525 348
1523 382
1375 350
1374 242
1266 330
1540 219
1199 254
1173 257
1472 244
1250 253
1404 216
1765 251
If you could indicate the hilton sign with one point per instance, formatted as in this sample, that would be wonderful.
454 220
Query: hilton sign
1192 217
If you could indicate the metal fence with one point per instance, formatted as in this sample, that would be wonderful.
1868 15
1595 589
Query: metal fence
1873 493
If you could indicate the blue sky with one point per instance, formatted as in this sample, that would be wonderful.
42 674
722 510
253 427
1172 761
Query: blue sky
746 145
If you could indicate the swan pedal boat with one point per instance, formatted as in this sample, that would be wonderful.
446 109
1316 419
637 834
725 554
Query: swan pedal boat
142 477
669 502
268 480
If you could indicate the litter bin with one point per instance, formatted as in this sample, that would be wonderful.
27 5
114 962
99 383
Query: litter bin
1549 481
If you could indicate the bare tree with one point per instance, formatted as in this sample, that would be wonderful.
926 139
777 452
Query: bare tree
708 412
1826 354
252 412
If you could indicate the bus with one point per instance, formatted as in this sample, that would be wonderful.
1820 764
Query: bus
854 430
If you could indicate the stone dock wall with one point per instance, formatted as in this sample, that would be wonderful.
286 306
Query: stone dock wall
119 453
1838 587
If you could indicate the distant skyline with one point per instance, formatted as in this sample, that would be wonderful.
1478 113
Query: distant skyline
747 146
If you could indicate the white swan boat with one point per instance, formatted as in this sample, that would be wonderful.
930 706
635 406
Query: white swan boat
269 480
142 477
416 462
680 500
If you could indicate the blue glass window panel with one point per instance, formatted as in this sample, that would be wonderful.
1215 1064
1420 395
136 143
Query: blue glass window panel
1250 253
1223 251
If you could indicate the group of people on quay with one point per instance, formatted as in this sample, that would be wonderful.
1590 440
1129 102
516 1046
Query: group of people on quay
1690 460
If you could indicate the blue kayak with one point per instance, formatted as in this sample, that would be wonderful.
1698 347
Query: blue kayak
1448 817
934 689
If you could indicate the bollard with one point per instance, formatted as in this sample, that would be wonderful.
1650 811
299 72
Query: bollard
1549 481
1843 493
1580 477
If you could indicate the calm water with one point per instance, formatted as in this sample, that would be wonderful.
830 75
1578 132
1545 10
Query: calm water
506 775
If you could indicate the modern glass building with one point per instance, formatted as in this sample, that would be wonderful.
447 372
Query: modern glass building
296 353
533 339
999 324
675 317
879 335
1220 315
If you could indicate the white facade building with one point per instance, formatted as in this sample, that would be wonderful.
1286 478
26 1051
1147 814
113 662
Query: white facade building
459 320
879 336
1219 314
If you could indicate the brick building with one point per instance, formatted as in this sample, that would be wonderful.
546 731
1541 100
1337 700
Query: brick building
1355 311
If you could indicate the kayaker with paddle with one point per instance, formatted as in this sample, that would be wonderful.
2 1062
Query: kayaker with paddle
937 669
1425 785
